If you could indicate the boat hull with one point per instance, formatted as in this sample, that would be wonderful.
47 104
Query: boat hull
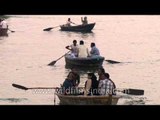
3 32
78 28
87 100
89 62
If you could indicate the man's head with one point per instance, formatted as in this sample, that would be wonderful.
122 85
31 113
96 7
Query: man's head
74 42
81 42
93 44
101 70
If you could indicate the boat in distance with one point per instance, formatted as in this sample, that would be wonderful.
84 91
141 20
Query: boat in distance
78 28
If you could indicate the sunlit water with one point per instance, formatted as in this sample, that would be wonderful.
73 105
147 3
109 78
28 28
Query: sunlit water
25 53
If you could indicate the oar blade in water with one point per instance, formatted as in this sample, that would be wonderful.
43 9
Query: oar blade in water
52 63
112 61
48 29
133 91
19 86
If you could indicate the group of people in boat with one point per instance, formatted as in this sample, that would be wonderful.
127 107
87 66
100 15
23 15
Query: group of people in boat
83 20
93 86
81 50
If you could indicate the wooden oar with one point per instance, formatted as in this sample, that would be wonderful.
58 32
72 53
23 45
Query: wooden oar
50 28
26 88
132 91
126 91
53 62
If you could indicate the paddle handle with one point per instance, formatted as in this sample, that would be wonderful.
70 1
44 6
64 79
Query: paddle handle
62 56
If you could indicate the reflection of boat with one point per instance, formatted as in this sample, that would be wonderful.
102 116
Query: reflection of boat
87 100
89 62
78 28
3 32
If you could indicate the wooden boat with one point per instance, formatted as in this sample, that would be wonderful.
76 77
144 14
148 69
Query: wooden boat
3 32
89 62
78 28
87 100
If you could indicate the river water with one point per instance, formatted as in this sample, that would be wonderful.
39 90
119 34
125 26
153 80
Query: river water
130 39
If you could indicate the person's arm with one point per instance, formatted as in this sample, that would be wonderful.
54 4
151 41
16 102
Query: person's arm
91 52
73 23
88 86
88 52
78 52
68 47
82 19
100 87
78 80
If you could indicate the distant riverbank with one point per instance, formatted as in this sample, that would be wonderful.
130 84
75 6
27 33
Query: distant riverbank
4 16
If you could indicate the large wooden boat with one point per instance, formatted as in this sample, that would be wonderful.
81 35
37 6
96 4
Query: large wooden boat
88 62
87 100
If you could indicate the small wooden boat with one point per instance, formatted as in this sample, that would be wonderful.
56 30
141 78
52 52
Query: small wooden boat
3 32
88 62
78 28
87 100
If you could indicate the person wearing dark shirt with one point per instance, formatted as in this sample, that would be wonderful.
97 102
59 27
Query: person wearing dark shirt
91 85
67 86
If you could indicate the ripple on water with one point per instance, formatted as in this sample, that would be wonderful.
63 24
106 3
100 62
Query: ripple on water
134 101
13 100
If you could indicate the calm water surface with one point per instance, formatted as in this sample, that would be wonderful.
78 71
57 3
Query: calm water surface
132 40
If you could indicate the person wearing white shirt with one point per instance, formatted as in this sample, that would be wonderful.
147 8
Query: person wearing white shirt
3 24
82 50
73 48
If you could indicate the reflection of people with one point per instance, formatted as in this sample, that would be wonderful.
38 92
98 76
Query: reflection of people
82 50
73 48
94 50
84 21
3 24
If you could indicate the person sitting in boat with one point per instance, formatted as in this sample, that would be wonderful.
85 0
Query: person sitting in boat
100 71
76 78
114 86
84 21
94 50
73 48
106 86
68 86
91 85
3 24
69 22
82 50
